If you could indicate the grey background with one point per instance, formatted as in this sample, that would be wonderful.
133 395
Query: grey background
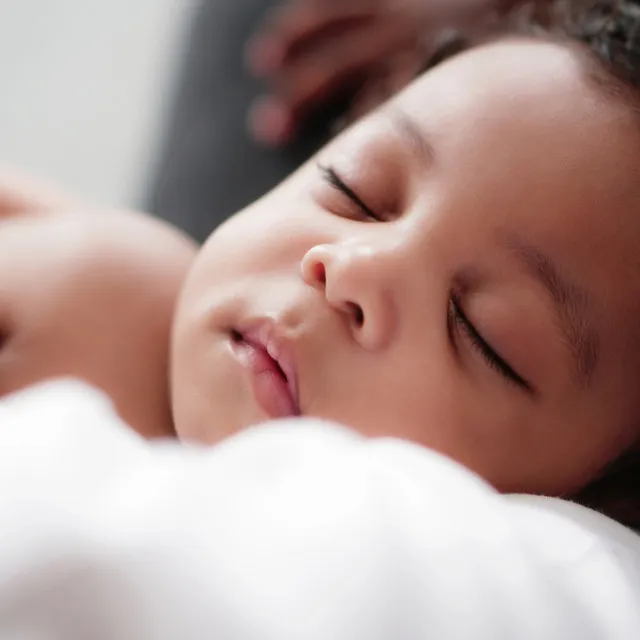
84 90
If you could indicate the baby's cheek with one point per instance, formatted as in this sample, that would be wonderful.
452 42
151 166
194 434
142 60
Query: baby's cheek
18 368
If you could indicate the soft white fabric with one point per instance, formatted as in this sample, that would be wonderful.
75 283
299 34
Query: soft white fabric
297 530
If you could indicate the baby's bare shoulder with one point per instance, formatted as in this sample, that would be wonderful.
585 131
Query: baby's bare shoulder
91 295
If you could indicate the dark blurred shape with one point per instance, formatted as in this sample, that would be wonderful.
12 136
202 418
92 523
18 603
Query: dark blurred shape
210 167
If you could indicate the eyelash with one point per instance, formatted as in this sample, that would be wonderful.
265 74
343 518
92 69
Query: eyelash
491 357
336 182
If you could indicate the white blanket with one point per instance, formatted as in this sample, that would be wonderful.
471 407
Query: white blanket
296 530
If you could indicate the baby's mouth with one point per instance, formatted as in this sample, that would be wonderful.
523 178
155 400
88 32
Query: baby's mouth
269 360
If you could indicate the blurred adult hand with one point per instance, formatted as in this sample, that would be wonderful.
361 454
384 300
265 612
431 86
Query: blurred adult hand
23 194
312 51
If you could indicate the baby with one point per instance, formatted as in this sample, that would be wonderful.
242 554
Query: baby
459 270
89 296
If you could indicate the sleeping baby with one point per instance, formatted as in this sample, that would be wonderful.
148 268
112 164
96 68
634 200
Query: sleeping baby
459 269
89 296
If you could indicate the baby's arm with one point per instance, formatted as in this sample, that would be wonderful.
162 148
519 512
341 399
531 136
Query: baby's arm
295 531
88 293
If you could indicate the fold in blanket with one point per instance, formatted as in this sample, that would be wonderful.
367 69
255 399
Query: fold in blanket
294 530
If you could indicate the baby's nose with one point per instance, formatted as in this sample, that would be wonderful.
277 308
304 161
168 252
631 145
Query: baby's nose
352 280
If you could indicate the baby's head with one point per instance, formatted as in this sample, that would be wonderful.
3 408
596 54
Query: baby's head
91 296
459 269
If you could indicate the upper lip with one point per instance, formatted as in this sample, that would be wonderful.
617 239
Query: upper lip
267 335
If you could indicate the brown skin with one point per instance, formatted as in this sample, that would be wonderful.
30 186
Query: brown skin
89 295
367 307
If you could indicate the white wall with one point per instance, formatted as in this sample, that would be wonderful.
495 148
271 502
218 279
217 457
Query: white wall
83 87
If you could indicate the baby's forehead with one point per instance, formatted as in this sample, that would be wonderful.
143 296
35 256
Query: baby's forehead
528 111
517 76
519 129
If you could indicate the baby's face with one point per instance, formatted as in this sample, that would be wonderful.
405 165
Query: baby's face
92 296
460 270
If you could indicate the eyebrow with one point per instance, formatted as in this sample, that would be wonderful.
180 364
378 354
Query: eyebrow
409 129
571 303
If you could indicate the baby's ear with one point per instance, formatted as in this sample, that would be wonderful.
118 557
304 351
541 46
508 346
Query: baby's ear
20 194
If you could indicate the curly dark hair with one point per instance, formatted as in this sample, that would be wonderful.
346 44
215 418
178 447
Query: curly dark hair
610 30
606 35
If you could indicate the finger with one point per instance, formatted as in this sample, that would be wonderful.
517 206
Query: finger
296 26
404 68
386 80
273 123
314 78
270 122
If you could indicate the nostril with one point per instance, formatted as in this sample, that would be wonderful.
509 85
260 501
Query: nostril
320 273
356 313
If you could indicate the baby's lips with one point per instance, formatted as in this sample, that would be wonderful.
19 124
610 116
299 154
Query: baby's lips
281 353
267 336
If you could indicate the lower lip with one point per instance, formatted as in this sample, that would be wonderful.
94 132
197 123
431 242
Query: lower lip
269 385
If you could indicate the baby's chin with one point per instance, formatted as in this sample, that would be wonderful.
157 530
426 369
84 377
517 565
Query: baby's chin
150 418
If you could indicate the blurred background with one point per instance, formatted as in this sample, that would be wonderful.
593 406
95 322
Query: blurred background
191 109
140 103
85 86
